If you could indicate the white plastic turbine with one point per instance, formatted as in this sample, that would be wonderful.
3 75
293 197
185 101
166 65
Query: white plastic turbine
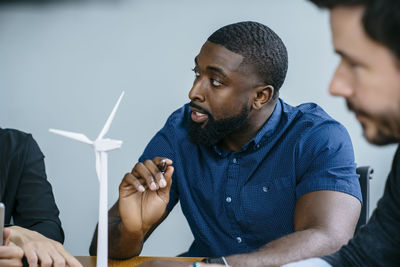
101 147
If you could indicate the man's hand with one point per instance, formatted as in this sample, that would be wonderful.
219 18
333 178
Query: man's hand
38 248
144 194
10 254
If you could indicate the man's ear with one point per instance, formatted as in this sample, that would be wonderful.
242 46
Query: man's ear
262 95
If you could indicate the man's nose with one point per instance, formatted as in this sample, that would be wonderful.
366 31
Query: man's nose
197 91
341 83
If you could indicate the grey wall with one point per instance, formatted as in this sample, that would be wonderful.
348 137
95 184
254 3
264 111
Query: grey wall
64 64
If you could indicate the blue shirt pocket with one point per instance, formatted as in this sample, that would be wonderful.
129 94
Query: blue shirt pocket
268 208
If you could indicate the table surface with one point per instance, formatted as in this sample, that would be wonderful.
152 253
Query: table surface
89 261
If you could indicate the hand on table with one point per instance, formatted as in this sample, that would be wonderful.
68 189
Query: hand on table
10 254
144 194
38 248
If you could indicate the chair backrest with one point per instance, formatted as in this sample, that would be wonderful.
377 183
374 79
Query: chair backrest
365 173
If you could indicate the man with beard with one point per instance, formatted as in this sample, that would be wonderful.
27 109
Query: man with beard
257 179
366 34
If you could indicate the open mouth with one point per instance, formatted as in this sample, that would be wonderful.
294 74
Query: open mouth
198 117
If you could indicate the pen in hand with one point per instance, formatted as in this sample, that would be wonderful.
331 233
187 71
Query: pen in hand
162 166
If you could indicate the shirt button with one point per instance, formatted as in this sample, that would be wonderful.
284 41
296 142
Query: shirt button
265 189
238 239
234 160
228 199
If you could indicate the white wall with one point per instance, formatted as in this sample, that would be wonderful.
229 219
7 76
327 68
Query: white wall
64 64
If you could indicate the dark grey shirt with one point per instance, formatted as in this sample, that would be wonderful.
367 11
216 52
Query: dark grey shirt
378 242
24 188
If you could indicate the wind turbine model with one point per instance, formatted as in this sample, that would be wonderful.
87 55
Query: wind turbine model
101 147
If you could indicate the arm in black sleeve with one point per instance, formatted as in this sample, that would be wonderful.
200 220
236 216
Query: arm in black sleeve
35 207
378 242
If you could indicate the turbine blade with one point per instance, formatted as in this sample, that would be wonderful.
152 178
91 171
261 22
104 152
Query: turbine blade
110 118
77 136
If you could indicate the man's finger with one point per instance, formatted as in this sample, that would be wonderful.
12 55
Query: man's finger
157 160
155 171
11 251
58 259
69 259
10 263
31 256
45 259
162 165
164 192
141 171
130 181
6 236
73 262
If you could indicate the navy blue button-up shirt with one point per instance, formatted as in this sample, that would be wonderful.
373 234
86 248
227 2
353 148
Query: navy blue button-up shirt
236 202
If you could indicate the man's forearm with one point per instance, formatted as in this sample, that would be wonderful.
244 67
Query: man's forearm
121 244
296 246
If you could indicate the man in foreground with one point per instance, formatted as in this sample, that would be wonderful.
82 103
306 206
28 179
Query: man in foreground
36 232
259 181
366 35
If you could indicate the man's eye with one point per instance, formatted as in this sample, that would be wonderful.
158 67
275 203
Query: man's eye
215 83
353 64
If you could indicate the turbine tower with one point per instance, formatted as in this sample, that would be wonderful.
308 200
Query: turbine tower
101 146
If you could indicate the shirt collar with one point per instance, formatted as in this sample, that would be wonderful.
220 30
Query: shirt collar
269 127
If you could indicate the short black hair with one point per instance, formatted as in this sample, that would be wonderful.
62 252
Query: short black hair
381 19
260 47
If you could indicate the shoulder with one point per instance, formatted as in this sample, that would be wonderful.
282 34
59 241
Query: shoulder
12 134
18 148
314 114
12 140
311 119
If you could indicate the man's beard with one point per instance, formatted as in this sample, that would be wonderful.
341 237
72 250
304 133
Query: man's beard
384 132
380 137
215 130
